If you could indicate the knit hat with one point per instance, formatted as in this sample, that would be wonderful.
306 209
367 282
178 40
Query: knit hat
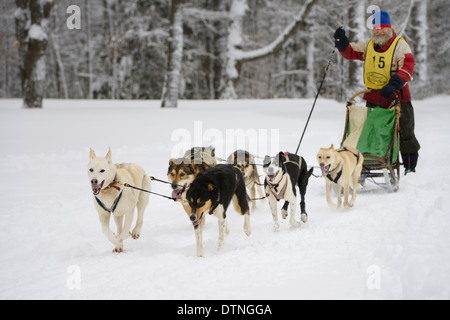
381 19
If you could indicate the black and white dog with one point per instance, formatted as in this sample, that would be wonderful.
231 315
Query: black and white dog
283 172
211 192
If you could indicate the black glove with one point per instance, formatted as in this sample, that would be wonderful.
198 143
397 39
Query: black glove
340 39
395 83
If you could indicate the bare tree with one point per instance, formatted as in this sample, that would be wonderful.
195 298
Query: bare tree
236 56
31 33
175 55
421 35
357 28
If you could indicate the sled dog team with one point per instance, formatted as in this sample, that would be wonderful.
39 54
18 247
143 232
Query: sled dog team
204 187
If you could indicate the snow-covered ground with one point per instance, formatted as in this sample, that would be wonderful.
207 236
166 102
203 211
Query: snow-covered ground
389 246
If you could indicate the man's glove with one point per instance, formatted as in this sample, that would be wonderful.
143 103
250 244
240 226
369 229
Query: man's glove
340 39
395 83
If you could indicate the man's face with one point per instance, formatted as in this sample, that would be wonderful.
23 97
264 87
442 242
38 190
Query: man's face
381 36
380 31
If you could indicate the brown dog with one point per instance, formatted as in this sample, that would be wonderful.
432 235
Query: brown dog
182 171
245 161
341 168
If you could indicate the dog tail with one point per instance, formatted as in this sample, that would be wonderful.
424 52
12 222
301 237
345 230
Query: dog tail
147 182
310 172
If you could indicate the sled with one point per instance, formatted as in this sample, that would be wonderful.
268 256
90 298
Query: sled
375 133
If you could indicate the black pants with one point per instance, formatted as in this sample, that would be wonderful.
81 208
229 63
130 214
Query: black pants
408 142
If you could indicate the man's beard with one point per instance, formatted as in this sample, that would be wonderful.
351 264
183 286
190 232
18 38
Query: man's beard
382 40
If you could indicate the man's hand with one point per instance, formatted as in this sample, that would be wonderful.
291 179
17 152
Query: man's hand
340 39
395 83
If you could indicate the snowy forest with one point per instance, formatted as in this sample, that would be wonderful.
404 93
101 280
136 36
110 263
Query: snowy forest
204 49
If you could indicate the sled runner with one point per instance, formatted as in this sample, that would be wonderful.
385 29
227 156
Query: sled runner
375 133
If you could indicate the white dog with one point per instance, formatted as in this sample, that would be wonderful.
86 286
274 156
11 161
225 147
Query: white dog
111 197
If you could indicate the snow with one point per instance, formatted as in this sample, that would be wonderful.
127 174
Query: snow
37 33
389 246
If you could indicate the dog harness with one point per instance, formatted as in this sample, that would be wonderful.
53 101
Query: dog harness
299 163
115 203
279 194
335 180
202 154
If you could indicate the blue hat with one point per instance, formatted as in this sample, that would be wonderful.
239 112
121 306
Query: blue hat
381 19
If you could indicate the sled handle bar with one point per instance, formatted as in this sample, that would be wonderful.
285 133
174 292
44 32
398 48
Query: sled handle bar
394 101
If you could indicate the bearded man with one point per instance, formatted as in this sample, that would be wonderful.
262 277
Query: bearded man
388 66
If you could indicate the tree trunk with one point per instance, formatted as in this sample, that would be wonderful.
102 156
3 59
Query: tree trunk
356 30
89 45
31 32
219 42
420 36
310 78
236 56
175 56
61 74
237 13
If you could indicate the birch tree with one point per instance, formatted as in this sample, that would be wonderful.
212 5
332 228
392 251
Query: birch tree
175 56
420 27
236 56
357 28
31 19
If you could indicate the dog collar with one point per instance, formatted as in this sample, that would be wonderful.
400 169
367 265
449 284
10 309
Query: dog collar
112 185
275 184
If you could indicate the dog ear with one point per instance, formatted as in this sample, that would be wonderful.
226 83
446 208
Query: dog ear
332 147
251 159
108 155
92 155
282 157
266 161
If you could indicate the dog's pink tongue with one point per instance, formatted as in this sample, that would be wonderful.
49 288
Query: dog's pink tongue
324 171
96 188
176 194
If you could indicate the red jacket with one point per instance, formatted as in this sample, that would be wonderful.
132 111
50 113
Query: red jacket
402 65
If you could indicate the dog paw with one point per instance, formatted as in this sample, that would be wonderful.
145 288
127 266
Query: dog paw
295 223
248 231
135 234
304 217
284 213
118 250
276 227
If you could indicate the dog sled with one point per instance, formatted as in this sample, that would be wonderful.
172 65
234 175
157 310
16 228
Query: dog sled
375 133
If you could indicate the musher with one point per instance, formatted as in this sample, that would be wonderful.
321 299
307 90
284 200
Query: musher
388 66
